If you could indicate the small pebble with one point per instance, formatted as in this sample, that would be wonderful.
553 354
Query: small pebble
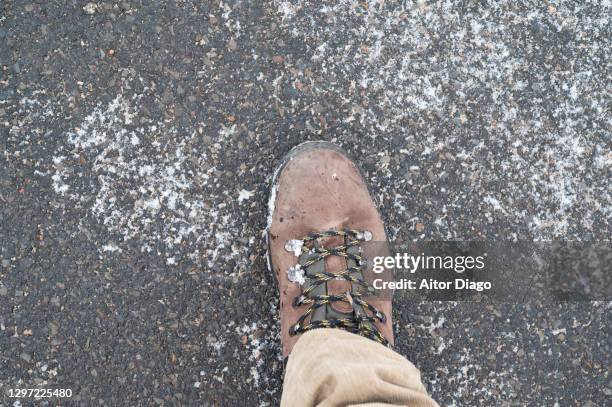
90 8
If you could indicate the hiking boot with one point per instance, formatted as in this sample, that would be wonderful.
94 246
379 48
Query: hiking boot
321 221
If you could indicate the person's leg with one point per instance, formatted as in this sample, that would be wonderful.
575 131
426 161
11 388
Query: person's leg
332 367
323 229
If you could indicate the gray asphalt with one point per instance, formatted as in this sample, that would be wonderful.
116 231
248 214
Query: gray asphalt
137 142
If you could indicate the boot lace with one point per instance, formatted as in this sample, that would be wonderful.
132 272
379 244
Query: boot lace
359 322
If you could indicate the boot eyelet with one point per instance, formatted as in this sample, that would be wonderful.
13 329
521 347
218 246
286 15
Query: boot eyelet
298 301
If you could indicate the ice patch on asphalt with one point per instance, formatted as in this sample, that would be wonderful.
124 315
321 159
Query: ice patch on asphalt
148 184
135 186
528 163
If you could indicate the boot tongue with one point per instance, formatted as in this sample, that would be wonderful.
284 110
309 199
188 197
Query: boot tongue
336 264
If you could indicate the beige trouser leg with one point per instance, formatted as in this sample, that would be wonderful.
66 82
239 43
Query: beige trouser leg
331 367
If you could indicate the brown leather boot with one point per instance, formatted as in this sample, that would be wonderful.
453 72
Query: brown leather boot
323 227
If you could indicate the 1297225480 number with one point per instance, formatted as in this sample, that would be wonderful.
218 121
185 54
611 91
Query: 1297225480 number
39 393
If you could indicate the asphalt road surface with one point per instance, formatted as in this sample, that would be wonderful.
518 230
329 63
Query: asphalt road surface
137 141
